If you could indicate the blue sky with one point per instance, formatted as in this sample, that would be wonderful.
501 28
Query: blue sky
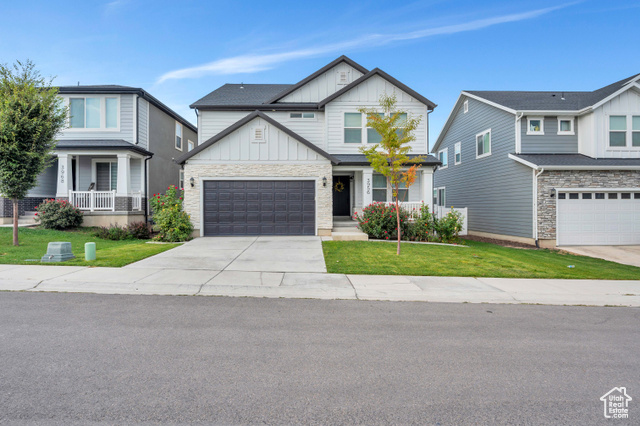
181 50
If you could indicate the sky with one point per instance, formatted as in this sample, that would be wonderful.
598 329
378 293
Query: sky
181 50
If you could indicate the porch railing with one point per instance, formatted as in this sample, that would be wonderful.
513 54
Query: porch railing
93 200
136 201
413 209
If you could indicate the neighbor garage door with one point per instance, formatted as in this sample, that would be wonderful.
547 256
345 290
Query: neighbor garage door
598 218
259 208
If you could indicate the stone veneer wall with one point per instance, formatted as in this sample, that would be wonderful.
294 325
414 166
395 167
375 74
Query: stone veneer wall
28 204
550 180
324 195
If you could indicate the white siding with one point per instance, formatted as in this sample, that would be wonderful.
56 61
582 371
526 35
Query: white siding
126 123
238 147
368 94
586 130
624 104
322 86
143 123
213 122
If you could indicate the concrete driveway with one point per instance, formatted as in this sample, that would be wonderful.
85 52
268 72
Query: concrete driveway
246 254
628 255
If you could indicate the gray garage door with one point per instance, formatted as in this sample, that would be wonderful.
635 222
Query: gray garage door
259 208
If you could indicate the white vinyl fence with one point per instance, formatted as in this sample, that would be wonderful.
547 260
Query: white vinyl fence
93 200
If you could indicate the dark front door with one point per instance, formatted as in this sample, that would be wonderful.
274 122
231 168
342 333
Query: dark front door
341 196
259 207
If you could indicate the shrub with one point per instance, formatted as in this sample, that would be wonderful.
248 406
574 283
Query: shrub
421 229
449 226
171 221
139 230
58 214
112 232
378 220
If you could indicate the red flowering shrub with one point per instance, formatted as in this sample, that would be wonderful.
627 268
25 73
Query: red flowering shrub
171 221
58 214
378 220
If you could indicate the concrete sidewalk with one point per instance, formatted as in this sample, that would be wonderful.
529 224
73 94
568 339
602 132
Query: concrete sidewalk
308 285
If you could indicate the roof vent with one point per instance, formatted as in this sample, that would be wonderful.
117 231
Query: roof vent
562 96
242 85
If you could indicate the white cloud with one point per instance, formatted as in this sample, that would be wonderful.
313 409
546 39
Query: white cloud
254 63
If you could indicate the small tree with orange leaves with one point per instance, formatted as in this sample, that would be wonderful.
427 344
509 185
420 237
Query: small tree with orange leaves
390 156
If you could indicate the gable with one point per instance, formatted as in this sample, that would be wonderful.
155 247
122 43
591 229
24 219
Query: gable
324 85
371 90
240 145
628 100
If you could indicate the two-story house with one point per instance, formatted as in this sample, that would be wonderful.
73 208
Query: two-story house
118 147
551 168
284 159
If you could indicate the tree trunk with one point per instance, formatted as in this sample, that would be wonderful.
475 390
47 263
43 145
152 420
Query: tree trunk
16 213
398 221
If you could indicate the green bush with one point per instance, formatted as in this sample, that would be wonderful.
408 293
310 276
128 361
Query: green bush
113 232
421 228
171 222
58 214
378 220
449 226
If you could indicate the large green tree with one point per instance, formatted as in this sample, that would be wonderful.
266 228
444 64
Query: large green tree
31 115
390 156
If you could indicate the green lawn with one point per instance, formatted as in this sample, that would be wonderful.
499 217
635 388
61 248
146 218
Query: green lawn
477 260
34 241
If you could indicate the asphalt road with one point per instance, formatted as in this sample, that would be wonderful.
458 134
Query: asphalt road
82 358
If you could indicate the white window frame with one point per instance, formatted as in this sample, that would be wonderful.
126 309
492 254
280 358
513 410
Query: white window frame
181 136
457 150
190 145
94 171
378 188
181 179
446 153
436 196
533 132
103 113
475 141
259 134
362 127
465 106
628 132
302 115
568 132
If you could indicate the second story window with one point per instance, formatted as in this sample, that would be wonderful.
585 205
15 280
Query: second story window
372 135
443 157
457 153
535 126
352 127
483 144
190 145
624 129
565 126
93 113
302 115
178 136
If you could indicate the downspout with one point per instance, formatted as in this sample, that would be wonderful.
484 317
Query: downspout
146 190
535 204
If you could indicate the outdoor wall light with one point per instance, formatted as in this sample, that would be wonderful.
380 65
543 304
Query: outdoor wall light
192 181
324 181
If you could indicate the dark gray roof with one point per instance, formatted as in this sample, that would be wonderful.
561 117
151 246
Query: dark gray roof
96 144
361 160
116 89
550 101
241 94
245 120
576 160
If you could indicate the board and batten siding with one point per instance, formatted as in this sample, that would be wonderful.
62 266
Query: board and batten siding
624 104
143 123
367 94
551 142
324 85
497 191
213 122
126 122
237 146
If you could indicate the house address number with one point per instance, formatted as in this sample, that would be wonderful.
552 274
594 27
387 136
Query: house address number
368 186
62 173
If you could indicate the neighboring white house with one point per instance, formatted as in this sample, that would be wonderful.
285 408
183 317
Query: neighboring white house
101 157
554 168
277 159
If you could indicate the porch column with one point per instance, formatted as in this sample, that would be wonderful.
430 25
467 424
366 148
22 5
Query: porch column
65 184
427 187
367 182
124 175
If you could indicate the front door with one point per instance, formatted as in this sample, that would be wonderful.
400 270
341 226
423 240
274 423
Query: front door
341 196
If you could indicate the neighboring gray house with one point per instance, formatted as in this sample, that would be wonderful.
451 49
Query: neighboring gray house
552 168
118 148
284 159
